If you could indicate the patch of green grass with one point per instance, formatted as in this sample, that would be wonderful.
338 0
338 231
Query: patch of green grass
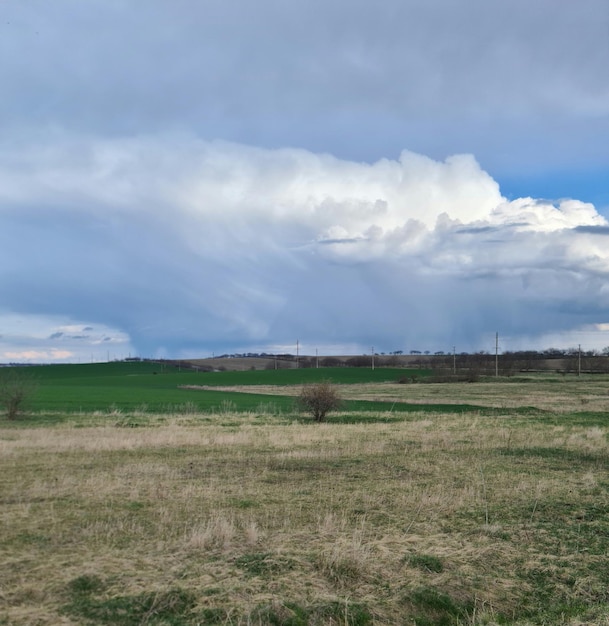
284 614
426 563
263 564
361 416
435 608
32 539
136 505
589 419
329 613
245 503
354 411
558 457
586 418
169 608
86 584
351 613
552 599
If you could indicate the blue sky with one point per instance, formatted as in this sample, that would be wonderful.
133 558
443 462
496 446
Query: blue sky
189 177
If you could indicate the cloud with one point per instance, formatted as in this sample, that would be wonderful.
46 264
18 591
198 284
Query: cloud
38 356
519 84
45 337
169 245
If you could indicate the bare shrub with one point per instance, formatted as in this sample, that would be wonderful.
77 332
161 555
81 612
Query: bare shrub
16 389
319 399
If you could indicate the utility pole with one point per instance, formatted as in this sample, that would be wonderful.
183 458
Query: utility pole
455 360
297 354
579 359
373 357
316 359
496 355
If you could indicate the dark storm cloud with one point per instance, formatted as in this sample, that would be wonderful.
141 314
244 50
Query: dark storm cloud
513 82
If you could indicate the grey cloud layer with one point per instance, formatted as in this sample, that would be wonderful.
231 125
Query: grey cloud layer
187 245
512 81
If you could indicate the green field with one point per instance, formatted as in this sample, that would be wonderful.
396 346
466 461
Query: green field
153 387
126 500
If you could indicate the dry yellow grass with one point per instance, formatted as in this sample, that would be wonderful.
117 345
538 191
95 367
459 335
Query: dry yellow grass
245 514
548 393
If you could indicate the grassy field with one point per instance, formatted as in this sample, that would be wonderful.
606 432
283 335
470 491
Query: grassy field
482 503
145 387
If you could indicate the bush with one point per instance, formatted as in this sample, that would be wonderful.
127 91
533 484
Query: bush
16 388
319 399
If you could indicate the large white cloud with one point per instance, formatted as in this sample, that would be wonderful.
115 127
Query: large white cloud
179 246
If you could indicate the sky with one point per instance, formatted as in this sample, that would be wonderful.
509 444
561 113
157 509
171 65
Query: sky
194 177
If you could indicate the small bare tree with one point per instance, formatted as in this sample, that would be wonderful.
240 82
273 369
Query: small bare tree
319 399
16 388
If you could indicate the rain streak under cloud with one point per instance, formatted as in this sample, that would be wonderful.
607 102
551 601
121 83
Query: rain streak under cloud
175 245
188 178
